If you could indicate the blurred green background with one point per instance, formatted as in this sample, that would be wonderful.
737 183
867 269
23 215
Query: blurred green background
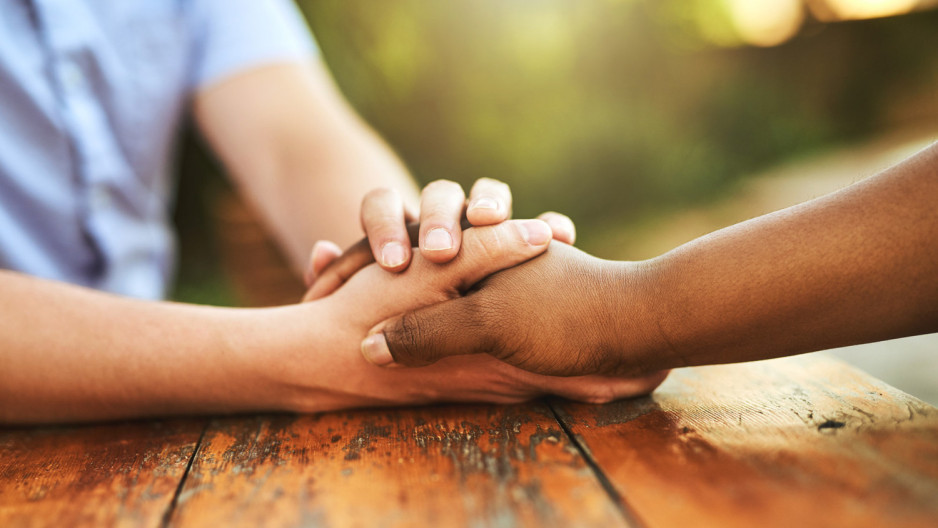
615 112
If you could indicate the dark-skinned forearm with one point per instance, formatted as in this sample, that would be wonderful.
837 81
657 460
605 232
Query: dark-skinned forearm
855 266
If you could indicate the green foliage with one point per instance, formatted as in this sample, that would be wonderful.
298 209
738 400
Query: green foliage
607 110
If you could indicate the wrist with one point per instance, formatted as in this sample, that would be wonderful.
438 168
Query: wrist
639 307
278 351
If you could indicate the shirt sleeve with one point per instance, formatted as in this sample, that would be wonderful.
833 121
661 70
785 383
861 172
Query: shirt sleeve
231 36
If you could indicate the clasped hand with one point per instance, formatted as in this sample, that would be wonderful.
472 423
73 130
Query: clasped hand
487 314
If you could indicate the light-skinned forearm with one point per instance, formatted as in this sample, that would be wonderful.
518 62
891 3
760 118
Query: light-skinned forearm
300 153
72 354
856 266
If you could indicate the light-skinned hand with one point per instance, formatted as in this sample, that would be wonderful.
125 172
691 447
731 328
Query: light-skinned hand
392 232
373 295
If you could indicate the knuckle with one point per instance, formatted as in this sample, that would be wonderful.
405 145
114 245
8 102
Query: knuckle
486 244
381 209
405 337
442 186
437 214
380 194
442 205
492 183
380 233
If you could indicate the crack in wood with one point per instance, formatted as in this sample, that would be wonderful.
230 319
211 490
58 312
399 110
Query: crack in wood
629 515
182 480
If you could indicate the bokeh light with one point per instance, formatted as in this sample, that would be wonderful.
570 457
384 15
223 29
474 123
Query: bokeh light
615 112
766 22
862 9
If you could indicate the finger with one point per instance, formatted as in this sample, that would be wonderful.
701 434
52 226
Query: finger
323 253
441 206
384 222
489 249
457 327
429 334
489 202
341 269
561 225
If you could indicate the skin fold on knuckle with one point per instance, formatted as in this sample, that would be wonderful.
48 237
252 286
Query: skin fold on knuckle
381 193
381 207
406 338
445 214
487 245
383 227
381 197
493 184
442 186
441 197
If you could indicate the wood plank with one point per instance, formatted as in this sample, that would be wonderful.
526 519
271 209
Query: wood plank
119 474
805 441
437 466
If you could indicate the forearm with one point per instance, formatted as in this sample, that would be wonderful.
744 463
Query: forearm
315 193
72 354
856 266
299 153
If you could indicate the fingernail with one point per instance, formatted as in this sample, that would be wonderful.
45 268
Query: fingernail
484 203
438 239
535 232
393 254
375 350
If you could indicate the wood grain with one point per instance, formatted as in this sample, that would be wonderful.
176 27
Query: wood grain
437 466
100 475
801 442
804 441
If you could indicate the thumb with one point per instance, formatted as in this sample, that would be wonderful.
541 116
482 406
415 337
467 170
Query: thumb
427 335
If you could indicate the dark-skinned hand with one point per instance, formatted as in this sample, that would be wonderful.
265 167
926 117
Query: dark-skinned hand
564 313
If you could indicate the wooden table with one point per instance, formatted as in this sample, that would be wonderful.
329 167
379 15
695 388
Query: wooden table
797 442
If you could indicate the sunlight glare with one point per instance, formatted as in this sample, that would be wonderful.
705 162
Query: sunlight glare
860 9
766 22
